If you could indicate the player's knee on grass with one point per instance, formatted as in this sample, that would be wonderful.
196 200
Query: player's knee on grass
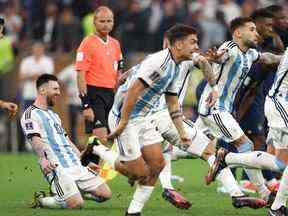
75 202
103 192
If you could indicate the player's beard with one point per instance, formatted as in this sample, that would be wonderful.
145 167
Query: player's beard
251 44
50 102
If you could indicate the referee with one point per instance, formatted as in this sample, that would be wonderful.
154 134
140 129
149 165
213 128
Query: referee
98 61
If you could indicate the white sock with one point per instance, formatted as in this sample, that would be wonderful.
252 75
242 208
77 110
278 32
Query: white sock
106 154
229 183
52 202
256 177
165 175
256 160
211 160
141 195
282 194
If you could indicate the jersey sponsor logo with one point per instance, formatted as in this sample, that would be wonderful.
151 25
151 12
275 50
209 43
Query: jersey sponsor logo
29 126
80 56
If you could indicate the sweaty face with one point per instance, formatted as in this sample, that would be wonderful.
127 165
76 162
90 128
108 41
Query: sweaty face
52 92
189 45
104 22
249 35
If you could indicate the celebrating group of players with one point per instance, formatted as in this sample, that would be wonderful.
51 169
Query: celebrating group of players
146 118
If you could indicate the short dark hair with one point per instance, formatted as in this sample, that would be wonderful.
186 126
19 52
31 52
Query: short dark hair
239 22
45 78
179 32
274 9
261 13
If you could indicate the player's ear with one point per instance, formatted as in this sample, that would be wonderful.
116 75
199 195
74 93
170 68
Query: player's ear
178 44
237 32
42 90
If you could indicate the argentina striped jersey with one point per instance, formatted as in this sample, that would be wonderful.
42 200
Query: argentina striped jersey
186 67
47 125
231 72
280 84
160 74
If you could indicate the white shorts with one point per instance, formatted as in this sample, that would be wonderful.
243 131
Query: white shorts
223 126
138 133
65 181
169 132
278 137
276 112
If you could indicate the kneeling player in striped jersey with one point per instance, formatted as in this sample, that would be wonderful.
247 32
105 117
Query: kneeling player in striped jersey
58 156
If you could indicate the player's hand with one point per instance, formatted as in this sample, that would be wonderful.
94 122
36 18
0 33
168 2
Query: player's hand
212 98
88 114
117 132
11 108
214 55
47 166
186 141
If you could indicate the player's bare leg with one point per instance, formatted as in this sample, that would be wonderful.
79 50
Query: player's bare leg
99 194
153 157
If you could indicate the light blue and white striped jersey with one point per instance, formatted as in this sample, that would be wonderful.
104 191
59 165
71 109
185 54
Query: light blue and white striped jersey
280 84
159 73
186 67
47 125
231 72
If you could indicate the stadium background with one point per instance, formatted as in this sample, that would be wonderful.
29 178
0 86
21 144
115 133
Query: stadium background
139 25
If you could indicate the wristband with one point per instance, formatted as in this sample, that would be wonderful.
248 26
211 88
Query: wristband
85 101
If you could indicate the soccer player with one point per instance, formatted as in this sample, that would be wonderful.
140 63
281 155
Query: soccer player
276 109
98 61
58 156
137 137
201 146
232 69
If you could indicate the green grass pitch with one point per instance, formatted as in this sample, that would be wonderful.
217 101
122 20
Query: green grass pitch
20 177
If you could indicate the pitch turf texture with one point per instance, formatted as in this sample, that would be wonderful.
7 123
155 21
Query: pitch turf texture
20 177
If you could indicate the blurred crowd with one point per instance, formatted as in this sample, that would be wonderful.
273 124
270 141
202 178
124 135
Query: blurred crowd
50 29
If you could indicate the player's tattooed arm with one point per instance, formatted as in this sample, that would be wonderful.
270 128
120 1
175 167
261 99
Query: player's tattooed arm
269 58
40 148
206 68
177 117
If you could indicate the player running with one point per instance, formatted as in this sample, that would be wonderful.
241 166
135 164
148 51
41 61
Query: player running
137 137
232 69
201 146
58 156
276 109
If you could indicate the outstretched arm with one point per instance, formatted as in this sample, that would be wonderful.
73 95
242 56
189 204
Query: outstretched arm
206 68
269 58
